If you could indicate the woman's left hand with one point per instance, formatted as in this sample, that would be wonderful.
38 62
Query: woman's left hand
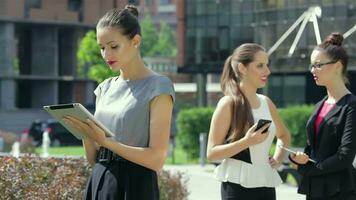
88 128
274 163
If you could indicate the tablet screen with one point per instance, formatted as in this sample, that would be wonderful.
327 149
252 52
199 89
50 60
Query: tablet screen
76 110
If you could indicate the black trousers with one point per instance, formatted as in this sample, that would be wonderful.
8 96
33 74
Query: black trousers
122 181
232 191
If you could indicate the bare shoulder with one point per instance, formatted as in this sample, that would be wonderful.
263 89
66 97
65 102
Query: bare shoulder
225 101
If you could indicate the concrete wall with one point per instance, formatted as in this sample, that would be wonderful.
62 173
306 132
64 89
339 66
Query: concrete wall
7 59
12 8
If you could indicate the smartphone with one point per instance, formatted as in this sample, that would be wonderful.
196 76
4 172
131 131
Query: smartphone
261 123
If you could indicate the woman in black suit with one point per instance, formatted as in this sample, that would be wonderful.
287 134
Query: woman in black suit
331 130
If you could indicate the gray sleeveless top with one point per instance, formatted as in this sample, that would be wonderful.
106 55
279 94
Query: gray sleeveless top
123 106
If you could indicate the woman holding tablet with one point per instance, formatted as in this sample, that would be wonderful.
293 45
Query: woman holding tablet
136 106
331 130
238 131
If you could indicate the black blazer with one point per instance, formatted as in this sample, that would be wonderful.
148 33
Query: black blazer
334 150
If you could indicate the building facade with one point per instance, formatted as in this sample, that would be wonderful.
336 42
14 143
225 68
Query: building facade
38 45
211 29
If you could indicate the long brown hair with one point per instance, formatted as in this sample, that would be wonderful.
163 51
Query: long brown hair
242 118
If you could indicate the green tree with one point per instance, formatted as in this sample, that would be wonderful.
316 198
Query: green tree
154 43
166 44
149 36
89 57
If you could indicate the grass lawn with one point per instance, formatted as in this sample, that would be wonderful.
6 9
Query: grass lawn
179 157
67 151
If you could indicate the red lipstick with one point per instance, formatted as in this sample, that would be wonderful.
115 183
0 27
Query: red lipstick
110 62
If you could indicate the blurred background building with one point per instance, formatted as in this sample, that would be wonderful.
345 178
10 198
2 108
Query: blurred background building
211 29
38 44
39 41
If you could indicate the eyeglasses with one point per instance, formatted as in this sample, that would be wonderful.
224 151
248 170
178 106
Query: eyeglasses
319 65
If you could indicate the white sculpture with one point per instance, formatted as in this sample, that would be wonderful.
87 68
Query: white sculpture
45 144
15 150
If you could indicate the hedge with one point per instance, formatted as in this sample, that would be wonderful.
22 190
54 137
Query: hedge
35 178
295 118
191 122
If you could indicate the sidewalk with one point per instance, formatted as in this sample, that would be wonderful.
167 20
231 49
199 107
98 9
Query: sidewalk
203 186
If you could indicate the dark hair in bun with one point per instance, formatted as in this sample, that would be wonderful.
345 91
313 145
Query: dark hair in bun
132 9
334 39
126 20
332 47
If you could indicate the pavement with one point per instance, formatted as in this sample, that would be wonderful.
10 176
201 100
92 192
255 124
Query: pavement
203 186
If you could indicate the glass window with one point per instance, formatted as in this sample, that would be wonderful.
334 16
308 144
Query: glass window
0 93
351 12
236 7
340 10
292 14
235 20
147 2
247 18
134 2
281 15
224 39
272 15
224 7
191 22
74 5
201 21
247 6
165 2
282 89
212 8
190 8
212 20
200 8
328 11
34 3
327 2
224 20
292 84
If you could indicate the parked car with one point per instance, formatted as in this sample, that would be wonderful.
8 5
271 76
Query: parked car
59 136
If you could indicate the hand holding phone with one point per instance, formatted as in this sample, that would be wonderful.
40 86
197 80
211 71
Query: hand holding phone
261 123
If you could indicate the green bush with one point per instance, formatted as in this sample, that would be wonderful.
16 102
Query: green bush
295 118
190 123
35 178
38 178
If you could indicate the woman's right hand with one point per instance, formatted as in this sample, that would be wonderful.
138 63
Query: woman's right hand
256 136
300 158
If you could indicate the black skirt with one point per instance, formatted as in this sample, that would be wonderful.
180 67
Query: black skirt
121 180
233 191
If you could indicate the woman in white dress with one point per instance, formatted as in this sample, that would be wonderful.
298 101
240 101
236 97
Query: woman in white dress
246 171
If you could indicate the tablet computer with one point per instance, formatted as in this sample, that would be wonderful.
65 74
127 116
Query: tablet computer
77 110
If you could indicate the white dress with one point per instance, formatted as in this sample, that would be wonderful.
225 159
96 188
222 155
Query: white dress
254 171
